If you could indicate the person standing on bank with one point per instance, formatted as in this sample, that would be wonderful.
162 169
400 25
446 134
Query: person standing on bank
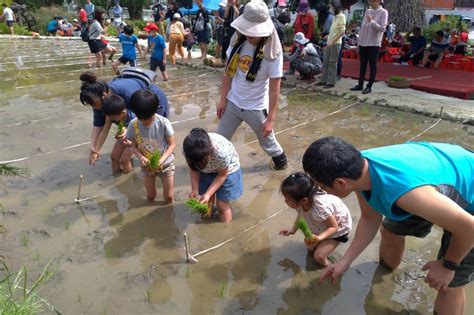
370 37
251 85
9 18
331 56
200 28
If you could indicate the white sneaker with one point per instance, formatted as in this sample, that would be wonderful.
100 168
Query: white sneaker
395 63
404 64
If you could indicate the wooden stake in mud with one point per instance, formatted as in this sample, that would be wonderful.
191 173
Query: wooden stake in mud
189 257
78 199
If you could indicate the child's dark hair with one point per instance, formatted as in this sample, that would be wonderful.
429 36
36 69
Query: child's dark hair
298 186
127 29
144 103
113 105
91 88
197 149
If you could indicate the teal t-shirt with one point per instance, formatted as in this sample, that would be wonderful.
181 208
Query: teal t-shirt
128 46
398 169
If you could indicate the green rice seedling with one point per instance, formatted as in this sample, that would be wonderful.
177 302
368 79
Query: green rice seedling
221 290
7 170
25 239
195 206
120 127
17 296
188 273
303 227
155 161
147 296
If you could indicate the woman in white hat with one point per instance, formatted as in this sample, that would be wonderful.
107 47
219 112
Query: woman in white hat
176 38
251 85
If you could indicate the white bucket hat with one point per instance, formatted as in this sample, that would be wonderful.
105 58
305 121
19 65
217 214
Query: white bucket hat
255 21
300 39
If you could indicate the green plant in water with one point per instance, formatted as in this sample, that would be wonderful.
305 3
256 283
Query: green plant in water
67 224
365 110
25 239
221 290
17 298
155 160
120 127
7 170
303 227
148 296
188 273
397 78
196 206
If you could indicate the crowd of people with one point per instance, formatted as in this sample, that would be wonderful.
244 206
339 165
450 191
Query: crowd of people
402 189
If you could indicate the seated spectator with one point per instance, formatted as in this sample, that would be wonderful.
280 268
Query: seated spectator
417 47
305 58
53 26
65 28
353 39
76 28
384 45
398 40
437 51
453 40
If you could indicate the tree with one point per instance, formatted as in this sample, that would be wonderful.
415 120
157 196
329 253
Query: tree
406 14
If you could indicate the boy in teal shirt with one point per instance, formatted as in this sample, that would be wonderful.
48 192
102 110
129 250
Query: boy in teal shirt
157 46
129 41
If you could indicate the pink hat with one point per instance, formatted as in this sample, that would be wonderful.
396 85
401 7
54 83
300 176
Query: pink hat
282 3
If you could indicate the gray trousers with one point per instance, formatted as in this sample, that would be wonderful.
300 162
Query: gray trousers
330 64
233 117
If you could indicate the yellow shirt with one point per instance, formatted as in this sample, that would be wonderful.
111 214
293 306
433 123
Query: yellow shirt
338 25
177 28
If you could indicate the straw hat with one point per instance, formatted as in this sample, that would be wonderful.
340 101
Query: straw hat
300 38
255 21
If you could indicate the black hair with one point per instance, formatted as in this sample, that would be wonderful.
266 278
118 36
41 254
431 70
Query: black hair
99 16
440 33
416 28
323 13
298 186
4 4
197 149
113 105
127 29
336 4
92 88
331 157
144 103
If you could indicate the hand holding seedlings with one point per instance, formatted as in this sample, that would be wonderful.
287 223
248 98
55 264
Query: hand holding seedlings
121 130
196 206
309 237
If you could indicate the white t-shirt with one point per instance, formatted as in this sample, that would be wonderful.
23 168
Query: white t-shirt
8 13
223 156
324 206
253 95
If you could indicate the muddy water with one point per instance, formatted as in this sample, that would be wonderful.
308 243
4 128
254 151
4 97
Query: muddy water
119 254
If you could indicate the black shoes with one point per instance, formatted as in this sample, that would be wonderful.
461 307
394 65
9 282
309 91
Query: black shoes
367 90
279 162
357 88
328 86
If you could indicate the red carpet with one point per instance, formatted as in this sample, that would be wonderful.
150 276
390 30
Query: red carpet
459 84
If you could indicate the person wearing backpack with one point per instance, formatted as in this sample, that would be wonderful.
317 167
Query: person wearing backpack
200 28
92 35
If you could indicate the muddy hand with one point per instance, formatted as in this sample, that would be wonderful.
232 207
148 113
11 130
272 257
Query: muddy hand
334 271
438 276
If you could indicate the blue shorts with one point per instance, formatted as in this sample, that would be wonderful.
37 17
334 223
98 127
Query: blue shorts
203 37
231 189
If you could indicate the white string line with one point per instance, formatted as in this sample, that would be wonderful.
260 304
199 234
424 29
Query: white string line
238 235
86 143
306 122
426 130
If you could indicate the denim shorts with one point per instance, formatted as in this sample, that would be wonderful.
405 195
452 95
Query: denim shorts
231 189
419 227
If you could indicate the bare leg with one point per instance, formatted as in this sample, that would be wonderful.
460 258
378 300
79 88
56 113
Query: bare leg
98 59
115 65
391 248
125 160
451 302
425 58
165 76
168 194
225 213
438 61
150 186
323 250
115 156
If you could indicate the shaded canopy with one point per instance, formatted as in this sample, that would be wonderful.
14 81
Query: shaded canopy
209 5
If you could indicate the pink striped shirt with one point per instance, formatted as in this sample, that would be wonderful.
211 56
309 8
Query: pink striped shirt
371 33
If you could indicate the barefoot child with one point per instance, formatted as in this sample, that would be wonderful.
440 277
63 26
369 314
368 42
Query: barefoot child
148 133
129 41
157 46
215 170
113 106
326 215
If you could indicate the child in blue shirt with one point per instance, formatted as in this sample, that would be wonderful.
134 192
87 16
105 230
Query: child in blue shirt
129 41
157 46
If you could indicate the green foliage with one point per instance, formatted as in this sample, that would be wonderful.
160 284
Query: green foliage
8 170
120 127
45 14
19 295
303 227
211 49
195 206
356 18
155 160
449 23
17 28
137 25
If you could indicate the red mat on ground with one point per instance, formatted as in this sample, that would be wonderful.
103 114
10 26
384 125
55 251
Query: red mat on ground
459 84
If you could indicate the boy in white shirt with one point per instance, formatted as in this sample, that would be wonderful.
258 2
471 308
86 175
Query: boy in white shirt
9 17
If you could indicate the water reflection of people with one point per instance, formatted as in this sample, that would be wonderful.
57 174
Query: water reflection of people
412 185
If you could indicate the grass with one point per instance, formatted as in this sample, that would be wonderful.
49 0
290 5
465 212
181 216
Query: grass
7 170
196 206
25 239
221 290
155 160
303 227
148 296
19 295
67 224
